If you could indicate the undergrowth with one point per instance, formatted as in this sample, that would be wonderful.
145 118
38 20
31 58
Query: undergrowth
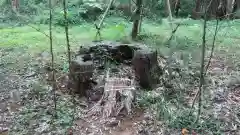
172 99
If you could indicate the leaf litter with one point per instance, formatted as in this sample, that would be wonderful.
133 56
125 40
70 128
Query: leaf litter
34 113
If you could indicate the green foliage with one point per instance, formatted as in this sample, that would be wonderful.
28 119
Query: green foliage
184 120
65 67
30 7
5 5
186 8
79 11
6 11
156 9
36 11
72 16
175 115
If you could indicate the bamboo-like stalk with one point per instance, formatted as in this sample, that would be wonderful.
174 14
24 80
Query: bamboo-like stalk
69 56
202 74
52 60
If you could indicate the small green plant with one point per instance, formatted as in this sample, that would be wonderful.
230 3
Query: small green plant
38 91
65 67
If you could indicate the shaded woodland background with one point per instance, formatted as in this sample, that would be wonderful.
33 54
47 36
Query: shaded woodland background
89 10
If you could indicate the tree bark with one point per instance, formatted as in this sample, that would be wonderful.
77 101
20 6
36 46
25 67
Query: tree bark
15 4
136 19
177 6
229 8
196 11
236 8
130 6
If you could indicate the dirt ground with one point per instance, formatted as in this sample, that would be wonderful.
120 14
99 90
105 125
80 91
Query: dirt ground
9 82
17 72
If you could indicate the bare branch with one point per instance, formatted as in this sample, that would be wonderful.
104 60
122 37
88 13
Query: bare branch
98 27
173 32
39 31
105 13
213 46
134 2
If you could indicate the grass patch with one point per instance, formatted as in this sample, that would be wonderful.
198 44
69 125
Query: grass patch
188 34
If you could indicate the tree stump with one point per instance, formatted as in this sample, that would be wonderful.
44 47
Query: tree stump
145 65
82 74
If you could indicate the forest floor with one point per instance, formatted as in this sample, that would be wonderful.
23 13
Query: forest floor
26 104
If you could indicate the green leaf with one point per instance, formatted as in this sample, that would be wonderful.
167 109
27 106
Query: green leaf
65 67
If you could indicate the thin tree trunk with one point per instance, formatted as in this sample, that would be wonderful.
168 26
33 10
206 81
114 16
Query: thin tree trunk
66 32
140 21
51 50
136 19
202 75
203 56
213 46
69 55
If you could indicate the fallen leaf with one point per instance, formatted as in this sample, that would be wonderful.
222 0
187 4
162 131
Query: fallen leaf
184 131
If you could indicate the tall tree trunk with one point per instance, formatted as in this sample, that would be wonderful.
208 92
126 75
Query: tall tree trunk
197 9
169 10
140 20
229 10
130 6
137 19
213 6
221 9
15 4
237 2
177 6
236 9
